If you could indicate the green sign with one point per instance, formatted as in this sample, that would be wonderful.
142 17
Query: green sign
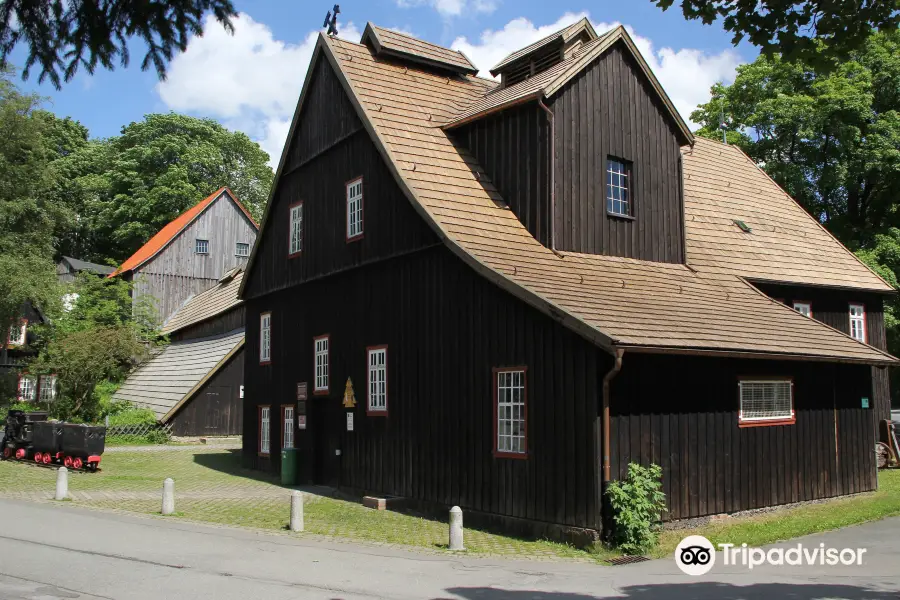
865 403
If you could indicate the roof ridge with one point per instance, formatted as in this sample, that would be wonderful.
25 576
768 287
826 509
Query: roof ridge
412 37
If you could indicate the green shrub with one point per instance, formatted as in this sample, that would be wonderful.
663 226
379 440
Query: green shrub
28 406
133 416
637 504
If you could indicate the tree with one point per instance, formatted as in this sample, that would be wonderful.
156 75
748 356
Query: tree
126 188
811 30
64 35
830 137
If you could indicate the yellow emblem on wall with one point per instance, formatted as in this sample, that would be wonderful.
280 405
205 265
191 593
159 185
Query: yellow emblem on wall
349 396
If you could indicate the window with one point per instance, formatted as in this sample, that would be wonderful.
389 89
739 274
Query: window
321 353
858 322
201 246
295 244
377 380
355 209
618 187
287 436
766 402
510 412
265 338
17 333
27 385
242 249
47 388
264 422
804 308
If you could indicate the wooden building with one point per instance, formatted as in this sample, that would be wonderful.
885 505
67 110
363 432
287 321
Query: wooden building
17 351
498 295
190 254
68 268
195 383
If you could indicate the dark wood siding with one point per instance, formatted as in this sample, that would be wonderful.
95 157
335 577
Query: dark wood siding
218 325
330 148
685 418
610 110
446 328
217 408
514 150
832 307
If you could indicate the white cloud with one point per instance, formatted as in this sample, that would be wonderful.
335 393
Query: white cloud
452 8
250 81
686 74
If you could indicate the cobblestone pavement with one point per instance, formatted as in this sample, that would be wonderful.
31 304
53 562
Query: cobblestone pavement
210 486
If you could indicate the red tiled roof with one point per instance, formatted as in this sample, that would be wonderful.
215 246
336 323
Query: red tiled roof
172 229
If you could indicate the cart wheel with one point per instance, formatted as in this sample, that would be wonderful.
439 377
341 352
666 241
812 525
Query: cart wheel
46 458
67 462
77 463
7 452
38 457
20 453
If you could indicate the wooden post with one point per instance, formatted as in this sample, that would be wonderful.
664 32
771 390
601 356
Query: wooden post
456 529
62 483
296 511
168 497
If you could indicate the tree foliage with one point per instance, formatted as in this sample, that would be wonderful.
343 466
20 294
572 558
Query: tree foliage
65 35
126 188
810 30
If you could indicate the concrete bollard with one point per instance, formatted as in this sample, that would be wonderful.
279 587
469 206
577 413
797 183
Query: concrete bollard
168 499
296 511
62 483
456 529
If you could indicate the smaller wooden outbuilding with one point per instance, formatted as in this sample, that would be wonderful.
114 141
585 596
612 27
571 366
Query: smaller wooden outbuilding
195 383
68 268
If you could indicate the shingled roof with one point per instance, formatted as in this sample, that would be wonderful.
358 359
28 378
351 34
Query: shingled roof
616 302
168 233
214 301
389 42
562 36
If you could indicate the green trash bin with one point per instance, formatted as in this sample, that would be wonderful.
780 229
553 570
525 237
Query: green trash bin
289 466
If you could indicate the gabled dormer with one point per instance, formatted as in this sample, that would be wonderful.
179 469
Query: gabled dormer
544 54
390 44
585 151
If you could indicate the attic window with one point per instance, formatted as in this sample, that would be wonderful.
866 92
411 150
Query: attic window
242 249
202 247
742 226
618 187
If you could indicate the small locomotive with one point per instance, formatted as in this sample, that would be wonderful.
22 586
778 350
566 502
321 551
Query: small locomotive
30 435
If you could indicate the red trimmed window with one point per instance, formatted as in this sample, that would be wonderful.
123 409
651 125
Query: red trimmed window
766 402
320 351
354 209
265 427
377 381
27 388
295 230
511 412
858 322
287 426
265 338
47 388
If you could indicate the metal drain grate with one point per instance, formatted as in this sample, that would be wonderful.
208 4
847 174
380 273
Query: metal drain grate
626 560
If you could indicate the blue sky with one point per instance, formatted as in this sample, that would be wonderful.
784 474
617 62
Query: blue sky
251 81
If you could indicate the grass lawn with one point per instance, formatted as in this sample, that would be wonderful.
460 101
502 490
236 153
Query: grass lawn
211 486
802 520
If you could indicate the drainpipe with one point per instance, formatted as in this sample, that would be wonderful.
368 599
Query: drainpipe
617 366
552 237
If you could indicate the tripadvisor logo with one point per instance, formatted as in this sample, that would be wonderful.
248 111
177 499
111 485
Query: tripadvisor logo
696 555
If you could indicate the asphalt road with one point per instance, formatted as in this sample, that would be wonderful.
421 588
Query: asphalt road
57 551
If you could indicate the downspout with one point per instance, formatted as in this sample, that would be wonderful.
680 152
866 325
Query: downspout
551 239
605 423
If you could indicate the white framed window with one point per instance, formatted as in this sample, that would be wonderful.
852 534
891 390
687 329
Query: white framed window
201 246
287 436
354 209
766 401
510 398
27 388
47 388
804 308
377 380
264 426
265 337
320 350
295 243
17 333
858 322
241 249
618 187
